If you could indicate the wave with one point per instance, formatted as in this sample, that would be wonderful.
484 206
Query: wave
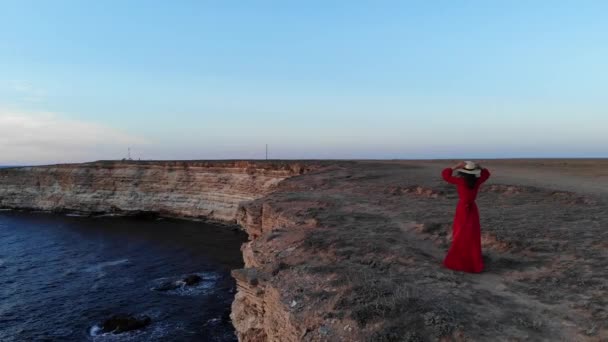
205 286
99 268
76 215
155 332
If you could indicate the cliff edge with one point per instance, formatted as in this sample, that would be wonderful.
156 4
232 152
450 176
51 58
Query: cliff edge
352 251
188 189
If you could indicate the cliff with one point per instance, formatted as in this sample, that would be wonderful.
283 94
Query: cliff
352 251
192 189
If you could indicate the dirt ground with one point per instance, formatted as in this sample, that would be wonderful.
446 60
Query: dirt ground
359 255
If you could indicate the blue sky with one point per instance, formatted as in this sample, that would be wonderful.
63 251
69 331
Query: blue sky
83 80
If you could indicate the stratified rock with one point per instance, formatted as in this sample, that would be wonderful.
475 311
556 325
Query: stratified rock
122 323
358 264
246 275
212 190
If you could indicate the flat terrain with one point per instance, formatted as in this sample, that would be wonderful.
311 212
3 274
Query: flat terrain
587 176
356 252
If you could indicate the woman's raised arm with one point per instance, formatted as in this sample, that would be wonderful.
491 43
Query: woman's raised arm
447 173
485 174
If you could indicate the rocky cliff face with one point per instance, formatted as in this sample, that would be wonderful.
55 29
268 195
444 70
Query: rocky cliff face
210 190
353 250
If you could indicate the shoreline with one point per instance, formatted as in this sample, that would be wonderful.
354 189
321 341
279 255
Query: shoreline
351 250
115 265
148 215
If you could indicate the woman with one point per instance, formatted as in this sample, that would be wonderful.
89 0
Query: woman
465 252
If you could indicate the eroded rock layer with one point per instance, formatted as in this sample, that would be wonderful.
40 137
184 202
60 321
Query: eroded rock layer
210 190
353 252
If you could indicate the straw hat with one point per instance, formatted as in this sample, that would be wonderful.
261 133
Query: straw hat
470 168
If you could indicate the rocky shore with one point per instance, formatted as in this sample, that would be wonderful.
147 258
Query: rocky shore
351 251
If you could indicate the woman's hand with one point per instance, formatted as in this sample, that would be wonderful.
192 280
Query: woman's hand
459 165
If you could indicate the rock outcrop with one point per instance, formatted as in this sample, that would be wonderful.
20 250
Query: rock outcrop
211 190
189 280
352 251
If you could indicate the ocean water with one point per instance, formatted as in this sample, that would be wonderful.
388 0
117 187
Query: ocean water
60 277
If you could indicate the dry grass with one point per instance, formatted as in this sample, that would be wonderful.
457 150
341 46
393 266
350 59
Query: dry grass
370 268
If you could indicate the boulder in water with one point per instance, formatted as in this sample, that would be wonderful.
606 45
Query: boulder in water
192 279
122 323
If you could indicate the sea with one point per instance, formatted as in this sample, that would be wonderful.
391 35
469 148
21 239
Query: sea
62 276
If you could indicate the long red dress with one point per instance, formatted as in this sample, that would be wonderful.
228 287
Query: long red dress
465 252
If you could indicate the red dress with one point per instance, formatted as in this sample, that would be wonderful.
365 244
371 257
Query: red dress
465 252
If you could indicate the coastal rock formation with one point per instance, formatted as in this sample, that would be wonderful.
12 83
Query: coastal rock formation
352 251
190 280
211 190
